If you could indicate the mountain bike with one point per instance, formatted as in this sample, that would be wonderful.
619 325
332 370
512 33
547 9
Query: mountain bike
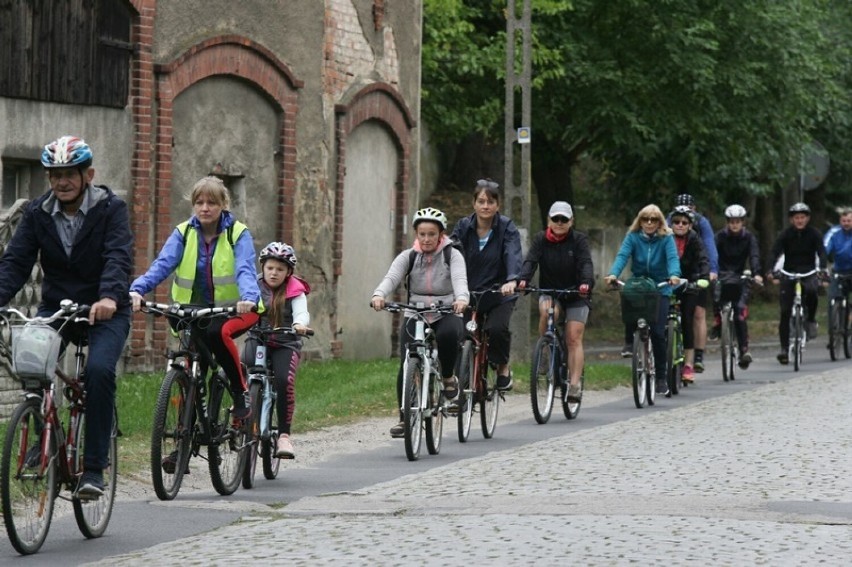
263 435
674 336
550 365
838 318
728 344
43 453
187 415
477 377
423 401
798 336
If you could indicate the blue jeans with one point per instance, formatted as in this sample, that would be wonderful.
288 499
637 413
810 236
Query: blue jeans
106 343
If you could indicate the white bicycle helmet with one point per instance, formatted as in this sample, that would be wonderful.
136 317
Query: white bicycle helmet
684 211
735 212
280 251
798 208
430 214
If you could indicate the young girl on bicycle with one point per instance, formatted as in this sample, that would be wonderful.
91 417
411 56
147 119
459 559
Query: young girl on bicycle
566 263
285 296
431 280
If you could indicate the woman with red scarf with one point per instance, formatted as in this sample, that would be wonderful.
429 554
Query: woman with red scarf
566 263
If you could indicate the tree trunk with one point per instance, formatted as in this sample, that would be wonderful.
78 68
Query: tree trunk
552 182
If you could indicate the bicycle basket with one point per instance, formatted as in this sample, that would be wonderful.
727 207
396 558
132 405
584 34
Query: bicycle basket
639 300
35 351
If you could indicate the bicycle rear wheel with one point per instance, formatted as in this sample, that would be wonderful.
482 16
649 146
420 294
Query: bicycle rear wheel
845 316
93 515
651 382
489 404
797 336
28 478
639 372
465 407
672 376
434 415
727 346
835 331
412 415
171 435
542 379
571 408
254 425
229 445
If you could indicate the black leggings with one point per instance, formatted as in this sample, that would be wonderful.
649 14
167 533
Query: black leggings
810 286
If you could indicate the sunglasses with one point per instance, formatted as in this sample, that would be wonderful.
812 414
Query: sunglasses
487 183
649 219
560 220
680 222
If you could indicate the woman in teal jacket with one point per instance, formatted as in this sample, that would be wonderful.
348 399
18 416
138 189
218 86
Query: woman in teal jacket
650 248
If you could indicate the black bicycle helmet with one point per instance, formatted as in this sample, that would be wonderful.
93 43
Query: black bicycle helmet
685 199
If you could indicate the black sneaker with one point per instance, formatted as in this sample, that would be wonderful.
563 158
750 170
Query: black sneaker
33 457
745 360
241 410
783 358
505 383
169 464
812 330
715 332
627 351
398 430
662 387
91 485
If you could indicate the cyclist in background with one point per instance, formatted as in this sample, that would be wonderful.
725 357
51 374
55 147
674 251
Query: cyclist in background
738 252
430 281
701 226
491 245
650 248
566 263
80 234
285 296
839 250
694 266
802 250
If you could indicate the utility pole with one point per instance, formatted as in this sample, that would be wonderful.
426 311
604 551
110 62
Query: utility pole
517 139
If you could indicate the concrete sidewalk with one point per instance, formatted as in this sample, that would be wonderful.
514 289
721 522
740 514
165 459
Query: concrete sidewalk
757 477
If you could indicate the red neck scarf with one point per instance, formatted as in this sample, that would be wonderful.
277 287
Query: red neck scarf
548 234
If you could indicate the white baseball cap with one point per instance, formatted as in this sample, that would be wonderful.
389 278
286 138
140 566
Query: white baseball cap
560 208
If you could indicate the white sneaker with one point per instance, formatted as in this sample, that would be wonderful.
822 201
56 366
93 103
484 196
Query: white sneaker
284 449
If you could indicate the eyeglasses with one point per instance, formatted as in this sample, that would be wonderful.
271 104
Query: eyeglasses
560 220
680 222
487 183
649 219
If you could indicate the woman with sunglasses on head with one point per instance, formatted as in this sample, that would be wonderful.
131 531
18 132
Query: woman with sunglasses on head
566 263
491 245
694 265
650 248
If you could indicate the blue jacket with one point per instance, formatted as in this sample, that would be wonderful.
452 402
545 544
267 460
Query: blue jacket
653 256
100 263
169 258
839 249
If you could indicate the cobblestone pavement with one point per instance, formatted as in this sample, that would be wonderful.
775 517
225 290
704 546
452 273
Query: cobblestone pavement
760 477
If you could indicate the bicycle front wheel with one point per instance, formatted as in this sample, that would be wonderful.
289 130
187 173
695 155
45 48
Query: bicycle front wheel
271 463
639 372
172 434
797 336
726 337
254 425
465 415
835 331
542 379
229 443
412 414
571 408
434 415
672 363
28 478
489 403
845 316
93 515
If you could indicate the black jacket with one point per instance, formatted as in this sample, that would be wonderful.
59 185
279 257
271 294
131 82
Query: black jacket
800 249
694 264
101 258
737 253
564 265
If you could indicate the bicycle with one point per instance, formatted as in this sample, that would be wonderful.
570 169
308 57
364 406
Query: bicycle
477 377
550 365
41 453
187 415
674 336
798 336
263 434
728 344
838 318
423 398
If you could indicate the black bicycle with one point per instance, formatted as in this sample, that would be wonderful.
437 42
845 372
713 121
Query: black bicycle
263 435
189 413
838 318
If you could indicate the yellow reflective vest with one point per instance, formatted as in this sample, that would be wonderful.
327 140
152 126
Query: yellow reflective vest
225 289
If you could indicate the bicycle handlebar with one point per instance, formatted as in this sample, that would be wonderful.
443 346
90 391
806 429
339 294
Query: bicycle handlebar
178 311
67 310
793 275
395 307
268 332
533 289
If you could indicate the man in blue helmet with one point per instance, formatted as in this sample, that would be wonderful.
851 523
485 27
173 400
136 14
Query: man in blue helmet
81 234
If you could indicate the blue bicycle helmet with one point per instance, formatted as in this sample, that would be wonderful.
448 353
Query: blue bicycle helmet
67 151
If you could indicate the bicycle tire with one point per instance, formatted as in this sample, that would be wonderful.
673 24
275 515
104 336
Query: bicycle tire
28 499
172 432
571 409
434 414
542 379
489 405
639 372
726 336
93 515
271 463
651 382
254 425
229 445
834 330
846 349
466 393
412 415
671 360
796 332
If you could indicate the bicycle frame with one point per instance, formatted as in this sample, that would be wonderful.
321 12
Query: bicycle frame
797 317
422 350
